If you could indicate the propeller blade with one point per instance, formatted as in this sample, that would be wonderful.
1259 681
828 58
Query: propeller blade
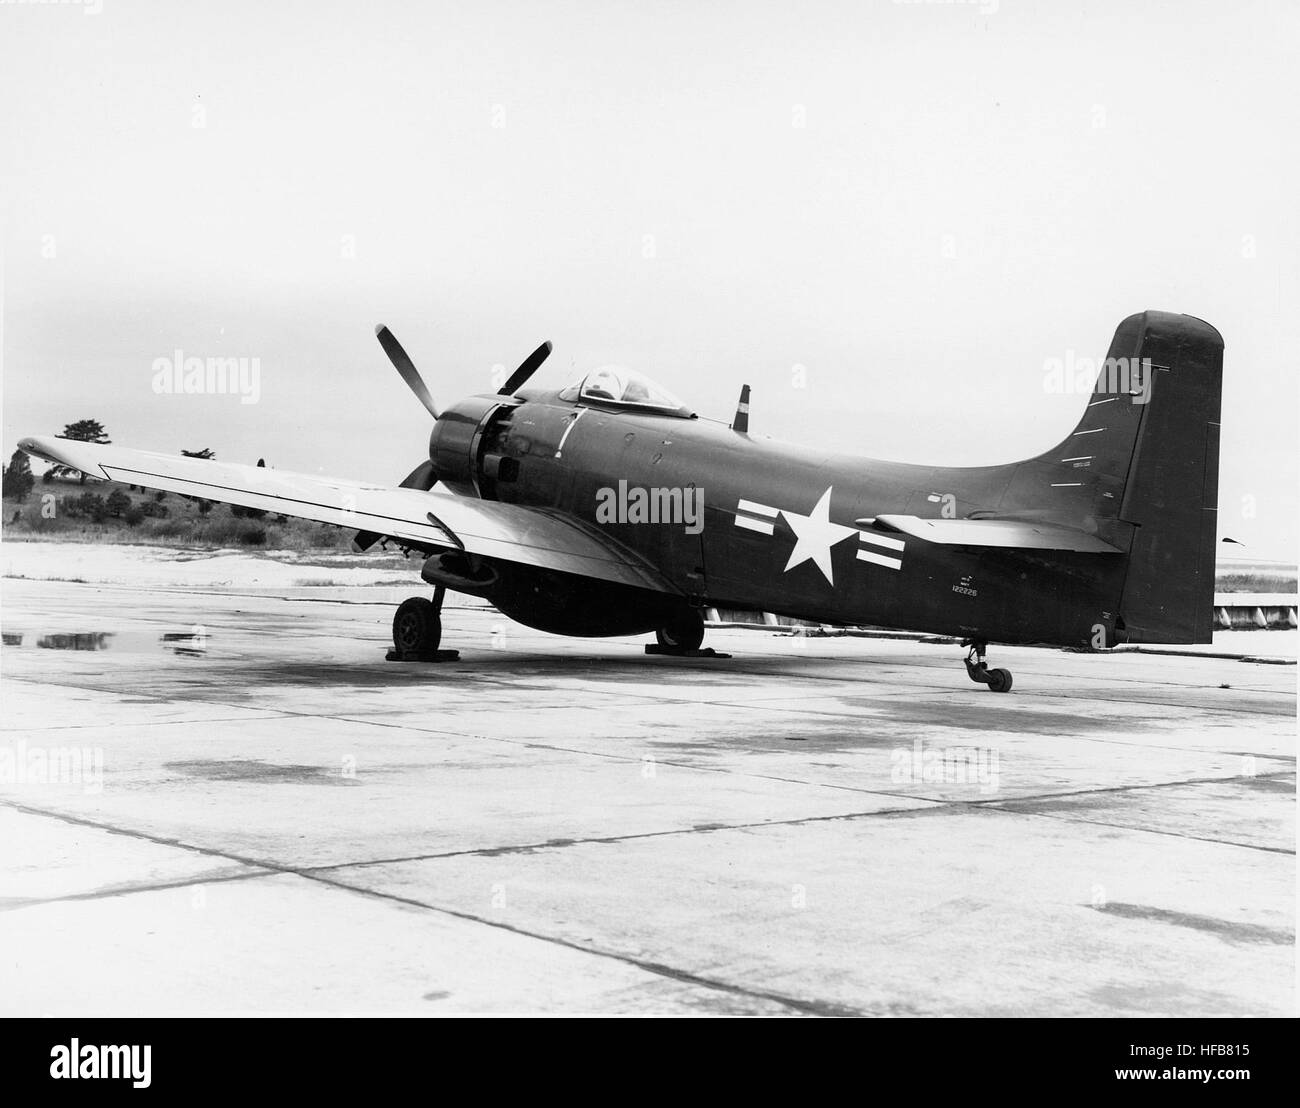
421 477
526 369
403 364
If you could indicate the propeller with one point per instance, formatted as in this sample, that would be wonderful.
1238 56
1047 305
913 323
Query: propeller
423 476
402 363
526 369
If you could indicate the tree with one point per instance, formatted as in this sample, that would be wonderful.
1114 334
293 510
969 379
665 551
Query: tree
84 430
117 503
18 479
88 504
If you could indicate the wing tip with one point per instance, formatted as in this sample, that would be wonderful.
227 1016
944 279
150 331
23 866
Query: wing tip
39 446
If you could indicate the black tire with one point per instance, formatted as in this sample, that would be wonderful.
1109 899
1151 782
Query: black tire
417 627
686 632
999 680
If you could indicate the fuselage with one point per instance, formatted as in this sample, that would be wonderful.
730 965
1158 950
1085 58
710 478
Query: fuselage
779 526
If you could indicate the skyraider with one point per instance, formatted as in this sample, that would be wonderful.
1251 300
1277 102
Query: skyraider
1107 537
639 505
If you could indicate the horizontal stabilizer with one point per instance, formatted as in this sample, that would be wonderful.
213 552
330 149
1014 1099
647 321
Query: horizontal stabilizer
1006 533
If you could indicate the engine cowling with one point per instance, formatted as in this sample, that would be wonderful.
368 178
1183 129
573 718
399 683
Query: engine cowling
455 446
464 449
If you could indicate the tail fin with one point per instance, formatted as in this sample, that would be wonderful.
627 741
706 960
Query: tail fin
1141 472
1171 495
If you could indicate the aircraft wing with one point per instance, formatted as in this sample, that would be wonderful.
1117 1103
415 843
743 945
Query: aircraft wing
507 532
1003 533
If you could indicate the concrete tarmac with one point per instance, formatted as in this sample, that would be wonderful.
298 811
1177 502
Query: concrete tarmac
283 822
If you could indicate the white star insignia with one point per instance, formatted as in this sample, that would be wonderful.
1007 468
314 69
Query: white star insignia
815 534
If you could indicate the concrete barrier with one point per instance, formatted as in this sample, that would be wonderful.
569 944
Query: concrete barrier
1240 611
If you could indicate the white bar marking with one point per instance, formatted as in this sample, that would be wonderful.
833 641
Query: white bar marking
881 540
879 559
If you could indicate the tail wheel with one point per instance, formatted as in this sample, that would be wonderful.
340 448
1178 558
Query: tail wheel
417 627
999 680
686 632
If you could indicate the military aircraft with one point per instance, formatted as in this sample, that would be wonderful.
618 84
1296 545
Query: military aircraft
609 507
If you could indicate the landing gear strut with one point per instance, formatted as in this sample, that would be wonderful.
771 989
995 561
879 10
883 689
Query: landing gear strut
998 680
417 630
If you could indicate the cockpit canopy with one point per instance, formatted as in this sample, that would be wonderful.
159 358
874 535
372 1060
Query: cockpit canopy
612 384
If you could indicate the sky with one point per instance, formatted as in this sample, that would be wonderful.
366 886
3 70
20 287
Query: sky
887 218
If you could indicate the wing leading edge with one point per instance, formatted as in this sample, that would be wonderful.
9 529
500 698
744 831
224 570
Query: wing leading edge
506 532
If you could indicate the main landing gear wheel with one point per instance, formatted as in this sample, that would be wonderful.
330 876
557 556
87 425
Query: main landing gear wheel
417 626
417 631
686 632
998 680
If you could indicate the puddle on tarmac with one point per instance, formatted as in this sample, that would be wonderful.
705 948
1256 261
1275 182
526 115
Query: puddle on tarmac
266 773
192 643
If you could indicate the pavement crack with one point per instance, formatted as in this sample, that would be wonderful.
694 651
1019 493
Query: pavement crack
659 969
316 874
9 904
